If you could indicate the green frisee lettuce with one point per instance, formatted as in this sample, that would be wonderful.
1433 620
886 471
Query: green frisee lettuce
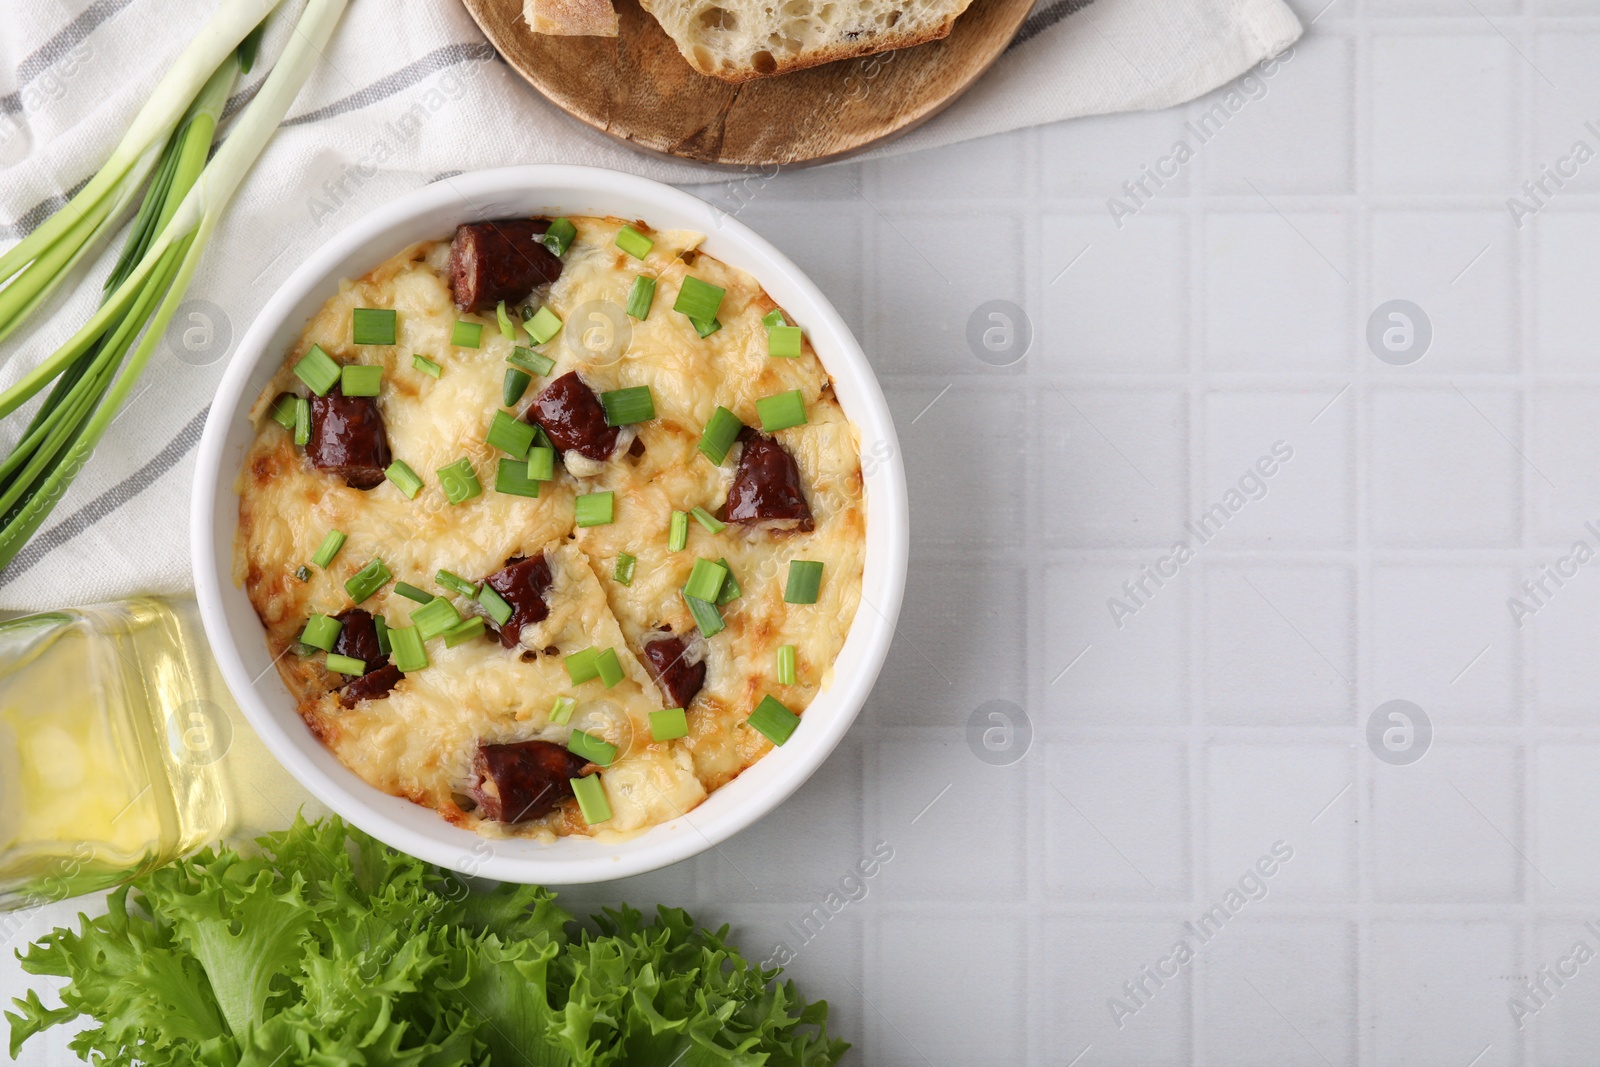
328 947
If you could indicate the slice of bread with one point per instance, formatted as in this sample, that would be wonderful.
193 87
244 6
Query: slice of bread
571 18
737 40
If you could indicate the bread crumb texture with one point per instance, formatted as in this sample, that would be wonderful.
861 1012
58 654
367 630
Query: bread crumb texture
737 40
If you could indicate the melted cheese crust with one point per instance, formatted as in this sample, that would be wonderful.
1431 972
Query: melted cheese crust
419 741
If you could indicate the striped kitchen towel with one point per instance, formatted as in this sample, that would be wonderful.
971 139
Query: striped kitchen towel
409 91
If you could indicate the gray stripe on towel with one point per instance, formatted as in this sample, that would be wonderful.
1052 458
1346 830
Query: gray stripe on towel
1044 18
408 75
64 41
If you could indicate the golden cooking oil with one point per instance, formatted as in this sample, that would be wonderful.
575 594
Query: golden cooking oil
114 738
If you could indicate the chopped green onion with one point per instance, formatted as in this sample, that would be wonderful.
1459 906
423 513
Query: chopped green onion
303 573
515 384
774 318
698 299
367 580
678 531
623 573
582 666
302 421
426 366
708 520
591 797
495 605
464 631
456 584
720 434
283 410
381 626
409 655
511 478
640 297
594 749
781 410
411 592
510 434
773 721
609 666
633 242
627 406
706 616
331 544
372 326
508 329
535 363
540 440
705 580
705 328
561 710
541 464
595 509
435 617
318 370
466 334
668 724
361 380
544 325
559 236
346 664
805 578
321 632
786 665
404 478
459 481
526 311
730 588
783 342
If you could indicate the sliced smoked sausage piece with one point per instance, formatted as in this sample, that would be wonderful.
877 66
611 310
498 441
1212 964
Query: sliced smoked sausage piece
766 488
358 638
348 438
522 584
371 685
573 418
669 661
500 260
523 780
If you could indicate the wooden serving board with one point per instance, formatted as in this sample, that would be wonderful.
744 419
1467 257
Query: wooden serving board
638 88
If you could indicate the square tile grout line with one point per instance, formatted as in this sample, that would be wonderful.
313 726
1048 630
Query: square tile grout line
1532 894
1361 919
1194 639
1036 772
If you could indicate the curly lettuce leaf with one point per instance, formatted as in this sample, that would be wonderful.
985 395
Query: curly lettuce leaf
515 913
244 924
128 974
326 947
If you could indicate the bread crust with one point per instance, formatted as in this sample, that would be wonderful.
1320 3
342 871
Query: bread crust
868 46
571 18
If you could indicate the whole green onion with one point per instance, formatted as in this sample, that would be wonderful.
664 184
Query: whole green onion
168 142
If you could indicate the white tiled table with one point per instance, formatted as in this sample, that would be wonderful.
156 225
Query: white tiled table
1229 712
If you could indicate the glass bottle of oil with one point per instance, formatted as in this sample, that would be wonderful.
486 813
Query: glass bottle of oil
119 747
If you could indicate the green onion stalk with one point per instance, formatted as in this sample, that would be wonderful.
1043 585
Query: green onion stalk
42 260
168 143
